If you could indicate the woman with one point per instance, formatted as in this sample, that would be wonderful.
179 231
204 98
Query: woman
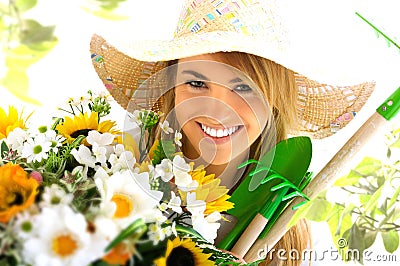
233 94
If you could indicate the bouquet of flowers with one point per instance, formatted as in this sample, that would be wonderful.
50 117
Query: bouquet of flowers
81 192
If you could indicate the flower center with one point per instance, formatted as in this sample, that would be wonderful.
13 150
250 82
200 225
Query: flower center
124 205
37 149
64 245
84 132
26 226
180 256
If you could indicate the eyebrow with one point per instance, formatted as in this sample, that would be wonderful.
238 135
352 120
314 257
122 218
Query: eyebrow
196 74
202 77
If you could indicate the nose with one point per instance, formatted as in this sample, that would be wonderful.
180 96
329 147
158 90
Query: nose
223 96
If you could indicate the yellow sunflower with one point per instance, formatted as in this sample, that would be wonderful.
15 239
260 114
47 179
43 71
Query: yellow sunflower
17 191
199 174
183 252
209 190
11 121
81 124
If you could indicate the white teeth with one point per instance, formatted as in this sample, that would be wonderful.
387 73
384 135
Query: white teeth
219 133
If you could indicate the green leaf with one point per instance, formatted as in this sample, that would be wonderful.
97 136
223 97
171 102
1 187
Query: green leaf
356 240
390 240
351 179
369 238
137 227
319 210
183 230
25 5
17 83
396 144
4 148
373 201
33 32
338 223
368 166
394 198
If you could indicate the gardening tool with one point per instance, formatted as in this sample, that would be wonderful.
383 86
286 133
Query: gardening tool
260 198
329 173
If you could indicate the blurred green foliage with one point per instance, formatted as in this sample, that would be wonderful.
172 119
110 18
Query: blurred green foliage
363 204
25 41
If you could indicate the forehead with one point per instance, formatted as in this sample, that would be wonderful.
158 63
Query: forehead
212 67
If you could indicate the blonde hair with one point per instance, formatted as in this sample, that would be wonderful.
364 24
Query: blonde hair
278 85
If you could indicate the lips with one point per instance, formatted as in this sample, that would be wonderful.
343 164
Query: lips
219 132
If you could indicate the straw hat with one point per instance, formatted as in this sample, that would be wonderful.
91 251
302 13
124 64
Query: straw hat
250 26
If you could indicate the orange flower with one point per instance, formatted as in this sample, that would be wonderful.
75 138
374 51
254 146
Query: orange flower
17 191
11 121
119 255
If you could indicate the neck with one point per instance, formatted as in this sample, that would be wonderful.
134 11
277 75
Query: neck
228 173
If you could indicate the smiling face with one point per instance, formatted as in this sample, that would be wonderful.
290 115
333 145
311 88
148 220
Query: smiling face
220 110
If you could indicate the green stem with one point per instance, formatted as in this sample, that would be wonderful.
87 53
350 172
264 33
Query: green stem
379 31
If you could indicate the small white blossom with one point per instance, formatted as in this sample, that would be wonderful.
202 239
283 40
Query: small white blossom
181 170
177 138
84 156
102 139
175 203
125 161
164 170
207 227
194 206
135 118
16 139
165 127
99 153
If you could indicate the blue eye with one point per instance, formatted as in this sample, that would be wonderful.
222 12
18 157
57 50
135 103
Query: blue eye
242 88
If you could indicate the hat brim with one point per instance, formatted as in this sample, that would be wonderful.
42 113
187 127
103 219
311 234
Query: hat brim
322 108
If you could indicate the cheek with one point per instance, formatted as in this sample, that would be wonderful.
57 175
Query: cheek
254 123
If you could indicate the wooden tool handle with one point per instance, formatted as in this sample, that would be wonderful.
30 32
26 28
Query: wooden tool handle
250 235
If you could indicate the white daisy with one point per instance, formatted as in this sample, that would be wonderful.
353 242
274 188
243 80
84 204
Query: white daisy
55 140
61 237
36 148
55 195
129 199
165 127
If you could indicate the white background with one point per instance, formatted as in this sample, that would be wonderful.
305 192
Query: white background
327 32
